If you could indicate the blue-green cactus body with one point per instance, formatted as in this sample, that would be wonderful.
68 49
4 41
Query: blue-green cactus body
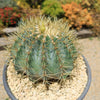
45 50
40 56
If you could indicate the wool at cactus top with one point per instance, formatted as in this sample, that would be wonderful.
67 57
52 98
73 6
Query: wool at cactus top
45 26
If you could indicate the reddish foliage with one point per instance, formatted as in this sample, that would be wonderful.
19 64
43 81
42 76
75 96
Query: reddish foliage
77 16
9 16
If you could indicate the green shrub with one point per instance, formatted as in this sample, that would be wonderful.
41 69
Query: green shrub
44 50
52 8
70 1
29 3
1 26
34 3
76 1
22 4
92 5
97 6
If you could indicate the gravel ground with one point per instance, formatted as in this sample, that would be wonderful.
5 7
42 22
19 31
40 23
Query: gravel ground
3 57
91 50
71 90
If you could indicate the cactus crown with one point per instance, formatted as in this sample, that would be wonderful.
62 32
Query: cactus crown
44 49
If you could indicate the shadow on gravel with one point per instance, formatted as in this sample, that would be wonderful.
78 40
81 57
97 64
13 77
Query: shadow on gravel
2 48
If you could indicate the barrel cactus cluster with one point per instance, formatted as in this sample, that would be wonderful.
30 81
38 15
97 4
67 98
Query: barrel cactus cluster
44 50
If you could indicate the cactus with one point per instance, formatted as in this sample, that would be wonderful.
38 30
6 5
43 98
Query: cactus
44 50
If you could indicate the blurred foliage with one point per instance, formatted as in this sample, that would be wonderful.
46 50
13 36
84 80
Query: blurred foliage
7 3
9 16
22 4
52 8
70 1
96 25
29 3
97 6
91 5
94 7
30 13
77 16
34 3
1 24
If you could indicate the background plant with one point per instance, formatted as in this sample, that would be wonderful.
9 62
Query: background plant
91 5
94 7
96 24
22 4
9 16
30 13
7 3
34 3
52 8
44 50
70 1
28 7
29 3
77 16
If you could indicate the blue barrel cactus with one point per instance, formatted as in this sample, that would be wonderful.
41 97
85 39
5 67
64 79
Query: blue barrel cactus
44 50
